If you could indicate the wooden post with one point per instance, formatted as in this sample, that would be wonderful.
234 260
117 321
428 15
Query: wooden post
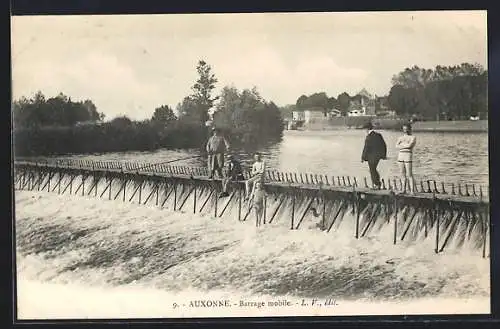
395 221
140 191
26 179
239 204
358 214
207 199
84 178
293 209
167 194
175 195
485 233
190 190
23 180
304 213
387 211
110 184
233 193
40 175
157 193
216 194
96 184
409 223
451 229
48 183
341 205
374 212
264 211
30 180
436 220
323 216
194 200
426 219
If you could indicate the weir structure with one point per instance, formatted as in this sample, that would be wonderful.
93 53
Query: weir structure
449 214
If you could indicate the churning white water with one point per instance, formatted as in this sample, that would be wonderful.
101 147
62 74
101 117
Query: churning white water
81 257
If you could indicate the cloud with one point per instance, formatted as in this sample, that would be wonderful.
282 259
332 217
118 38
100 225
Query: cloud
113 86
132 64
323 70
277 77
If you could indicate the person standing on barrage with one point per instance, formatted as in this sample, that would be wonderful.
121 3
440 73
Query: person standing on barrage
374 150
405 145
256 201
257 174
233 173
216 147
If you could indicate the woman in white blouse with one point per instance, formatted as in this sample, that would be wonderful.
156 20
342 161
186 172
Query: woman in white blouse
405 145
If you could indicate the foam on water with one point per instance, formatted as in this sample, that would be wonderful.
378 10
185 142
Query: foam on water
112 246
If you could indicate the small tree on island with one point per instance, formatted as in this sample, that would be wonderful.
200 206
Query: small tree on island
163 115
194 108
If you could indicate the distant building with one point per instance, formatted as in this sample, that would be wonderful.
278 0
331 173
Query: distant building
356 113
314 116
363 103
298 116
334 113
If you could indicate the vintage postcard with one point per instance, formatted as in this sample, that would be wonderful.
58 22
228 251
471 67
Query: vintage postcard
250 165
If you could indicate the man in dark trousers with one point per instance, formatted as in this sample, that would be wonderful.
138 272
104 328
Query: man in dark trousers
216 147
375 149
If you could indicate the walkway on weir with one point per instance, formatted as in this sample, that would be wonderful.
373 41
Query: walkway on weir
451 211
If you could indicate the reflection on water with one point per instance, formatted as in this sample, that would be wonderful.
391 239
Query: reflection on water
442 156
447 157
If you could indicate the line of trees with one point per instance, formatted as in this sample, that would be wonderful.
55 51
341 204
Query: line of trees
55 111
445 93
321 102
316 102
58 125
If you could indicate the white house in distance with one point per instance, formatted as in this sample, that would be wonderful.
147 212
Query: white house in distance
334 113
298 116
308 116
313 116
362 104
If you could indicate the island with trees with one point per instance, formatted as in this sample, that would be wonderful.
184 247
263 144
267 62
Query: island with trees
58 125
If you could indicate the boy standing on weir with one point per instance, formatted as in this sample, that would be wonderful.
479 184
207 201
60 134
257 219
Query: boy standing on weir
216 147
374 150
257 174
256 201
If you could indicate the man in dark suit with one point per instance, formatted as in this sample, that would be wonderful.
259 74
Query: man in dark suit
375 149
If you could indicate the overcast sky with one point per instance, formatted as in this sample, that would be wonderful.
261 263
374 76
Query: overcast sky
131 64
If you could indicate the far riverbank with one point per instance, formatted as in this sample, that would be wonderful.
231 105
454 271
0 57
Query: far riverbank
451 126
480 126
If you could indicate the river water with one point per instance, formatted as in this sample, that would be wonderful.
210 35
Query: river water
104 259
444 157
